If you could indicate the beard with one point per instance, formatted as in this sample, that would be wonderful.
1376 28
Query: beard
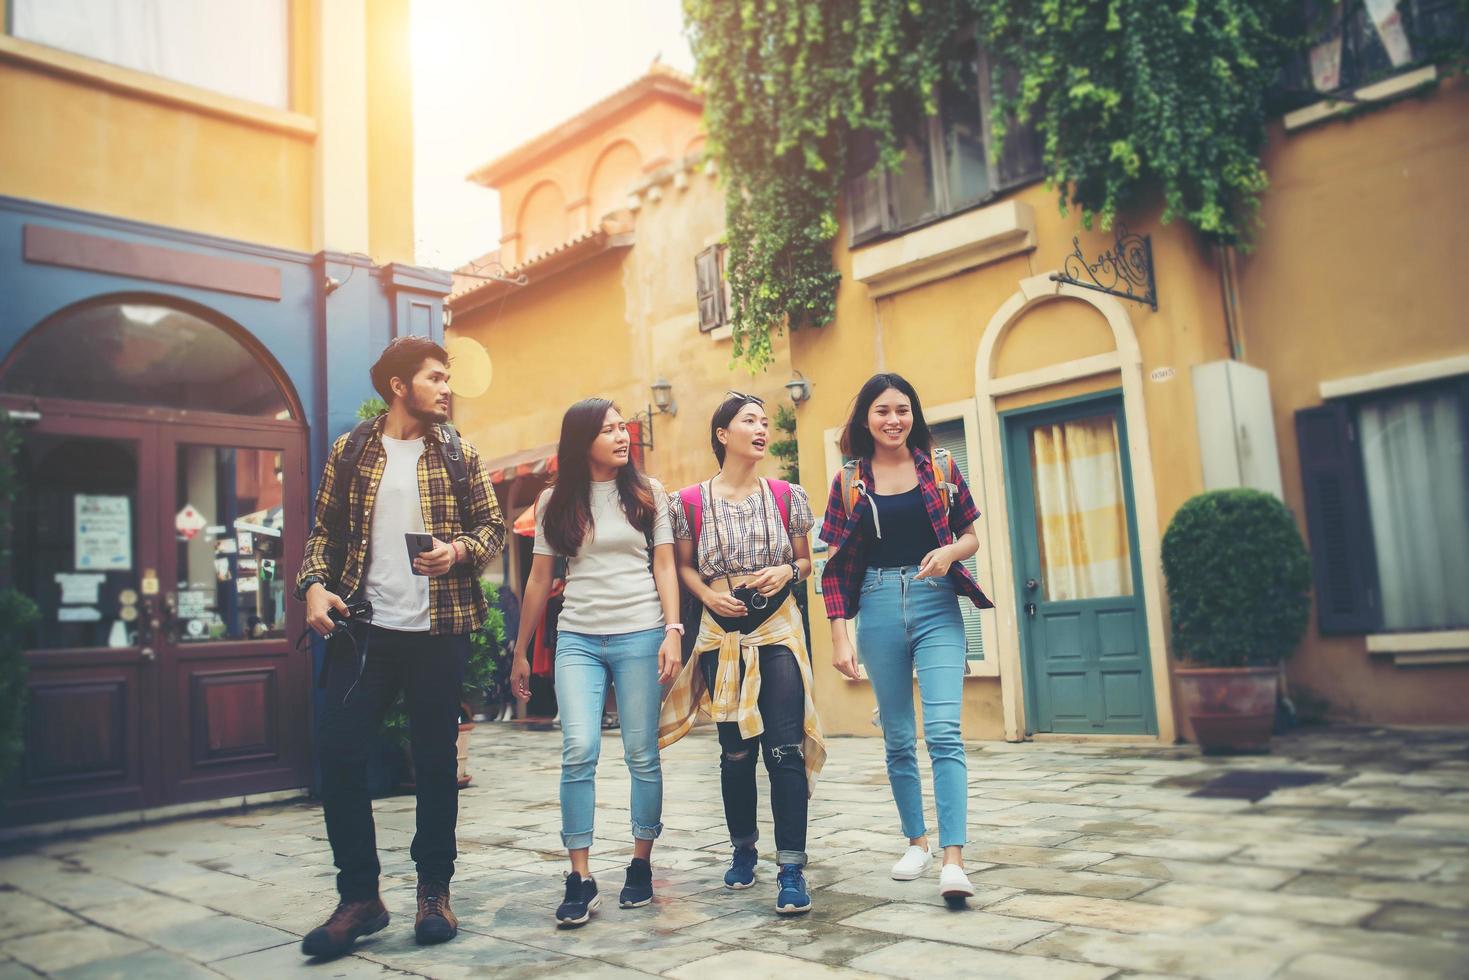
429 413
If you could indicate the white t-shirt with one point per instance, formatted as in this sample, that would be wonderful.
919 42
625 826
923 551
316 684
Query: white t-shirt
399 598
609 588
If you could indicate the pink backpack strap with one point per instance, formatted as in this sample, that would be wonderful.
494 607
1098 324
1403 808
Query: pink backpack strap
693 509
782 491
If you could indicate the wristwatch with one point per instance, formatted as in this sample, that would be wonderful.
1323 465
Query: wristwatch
306 584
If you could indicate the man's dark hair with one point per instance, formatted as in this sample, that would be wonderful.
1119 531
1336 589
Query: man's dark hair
401 359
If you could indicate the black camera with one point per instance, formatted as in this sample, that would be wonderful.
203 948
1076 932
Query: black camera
751 598
359 612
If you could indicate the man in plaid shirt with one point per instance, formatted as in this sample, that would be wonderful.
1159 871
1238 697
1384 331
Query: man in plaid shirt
424 604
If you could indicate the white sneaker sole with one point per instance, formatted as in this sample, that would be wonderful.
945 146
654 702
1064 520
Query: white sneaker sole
909 875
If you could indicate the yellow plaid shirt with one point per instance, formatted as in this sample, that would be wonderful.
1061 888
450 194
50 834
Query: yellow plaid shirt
733 700
336 551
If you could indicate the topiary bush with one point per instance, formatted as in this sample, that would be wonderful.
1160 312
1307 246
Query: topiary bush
17 613
1239 579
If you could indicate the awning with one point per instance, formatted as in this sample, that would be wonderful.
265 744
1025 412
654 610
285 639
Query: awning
528 462
525 524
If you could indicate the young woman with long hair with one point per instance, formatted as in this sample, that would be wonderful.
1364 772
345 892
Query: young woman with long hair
900 523
620 618
741 543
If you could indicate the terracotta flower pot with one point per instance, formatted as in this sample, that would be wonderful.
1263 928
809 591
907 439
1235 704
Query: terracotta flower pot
1231 708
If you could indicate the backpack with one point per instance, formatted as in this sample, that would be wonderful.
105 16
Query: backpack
943 470
451 451
691 610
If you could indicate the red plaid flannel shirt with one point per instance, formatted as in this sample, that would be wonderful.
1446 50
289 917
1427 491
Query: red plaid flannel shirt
841 582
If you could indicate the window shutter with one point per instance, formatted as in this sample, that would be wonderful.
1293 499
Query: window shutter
950 436
1337 520
636 448
710 289
1020 157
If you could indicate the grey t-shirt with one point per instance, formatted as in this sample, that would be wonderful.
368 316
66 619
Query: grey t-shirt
609 588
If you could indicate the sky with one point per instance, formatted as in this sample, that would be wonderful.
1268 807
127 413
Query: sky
490 74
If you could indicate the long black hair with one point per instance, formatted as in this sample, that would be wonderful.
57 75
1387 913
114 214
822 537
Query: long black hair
568 515
857 437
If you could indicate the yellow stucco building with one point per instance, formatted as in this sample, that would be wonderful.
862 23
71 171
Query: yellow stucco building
207 221
605 219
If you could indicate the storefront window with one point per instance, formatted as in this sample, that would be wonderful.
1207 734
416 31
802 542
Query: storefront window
142 353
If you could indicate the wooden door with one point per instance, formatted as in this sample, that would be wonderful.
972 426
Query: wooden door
1083 629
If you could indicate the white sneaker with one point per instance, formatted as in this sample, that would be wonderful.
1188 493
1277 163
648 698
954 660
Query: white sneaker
912 864
954 884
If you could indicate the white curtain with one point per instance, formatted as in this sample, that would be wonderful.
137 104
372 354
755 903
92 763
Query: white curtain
235 47
1080 509
1416 459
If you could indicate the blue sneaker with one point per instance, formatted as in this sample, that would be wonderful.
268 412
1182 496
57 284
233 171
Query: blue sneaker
741 873
792 898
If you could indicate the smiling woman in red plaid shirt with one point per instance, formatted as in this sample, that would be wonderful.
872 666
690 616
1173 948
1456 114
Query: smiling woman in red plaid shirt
900 523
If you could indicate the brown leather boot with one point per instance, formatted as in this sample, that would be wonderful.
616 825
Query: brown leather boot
436 922
351 919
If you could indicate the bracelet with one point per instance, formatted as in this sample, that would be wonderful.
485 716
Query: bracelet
795 571
673 626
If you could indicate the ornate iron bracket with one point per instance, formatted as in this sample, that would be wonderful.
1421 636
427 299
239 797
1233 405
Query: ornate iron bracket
1125 270
644 419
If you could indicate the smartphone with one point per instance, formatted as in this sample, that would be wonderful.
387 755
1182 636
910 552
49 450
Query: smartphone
417 545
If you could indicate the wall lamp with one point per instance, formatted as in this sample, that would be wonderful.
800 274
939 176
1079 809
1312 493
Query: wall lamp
663 397
799 388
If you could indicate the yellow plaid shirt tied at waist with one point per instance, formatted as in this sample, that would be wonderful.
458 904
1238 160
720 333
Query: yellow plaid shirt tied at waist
736 701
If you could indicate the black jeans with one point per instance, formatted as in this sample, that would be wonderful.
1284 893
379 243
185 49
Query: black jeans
428 670
783 709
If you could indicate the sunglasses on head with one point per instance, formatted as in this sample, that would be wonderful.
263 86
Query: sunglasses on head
748 398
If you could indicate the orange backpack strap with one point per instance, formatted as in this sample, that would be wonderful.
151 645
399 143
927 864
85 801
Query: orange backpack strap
943 471
849 485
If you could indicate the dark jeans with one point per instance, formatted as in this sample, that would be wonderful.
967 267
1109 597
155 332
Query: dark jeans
783 709
428 670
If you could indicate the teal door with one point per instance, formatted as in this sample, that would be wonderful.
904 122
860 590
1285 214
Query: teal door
1083 632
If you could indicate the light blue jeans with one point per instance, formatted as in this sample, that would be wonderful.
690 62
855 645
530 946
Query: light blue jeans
905 622
583 666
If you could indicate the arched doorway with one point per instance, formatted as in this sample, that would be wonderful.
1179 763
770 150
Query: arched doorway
159 521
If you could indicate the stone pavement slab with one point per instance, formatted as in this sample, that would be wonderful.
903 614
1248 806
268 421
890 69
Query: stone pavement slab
1090 862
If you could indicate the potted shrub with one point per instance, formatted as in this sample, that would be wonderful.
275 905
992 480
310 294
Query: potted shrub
1238 592
488 662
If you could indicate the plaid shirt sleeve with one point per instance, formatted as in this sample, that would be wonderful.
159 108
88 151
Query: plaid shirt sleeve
963 511
484 526
326 546
836 512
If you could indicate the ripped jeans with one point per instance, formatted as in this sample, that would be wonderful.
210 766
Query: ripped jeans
783 709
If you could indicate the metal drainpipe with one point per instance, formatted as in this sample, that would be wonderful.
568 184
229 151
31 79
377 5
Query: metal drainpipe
1229 296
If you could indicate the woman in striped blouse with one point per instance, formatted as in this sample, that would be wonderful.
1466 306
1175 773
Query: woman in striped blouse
741 543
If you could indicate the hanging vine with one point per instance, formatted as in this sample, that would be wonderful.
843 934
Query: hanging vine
1124 94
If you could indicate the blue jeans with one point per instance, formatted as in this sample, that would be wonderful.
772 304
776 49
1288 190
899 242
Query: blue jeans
906 622
583 665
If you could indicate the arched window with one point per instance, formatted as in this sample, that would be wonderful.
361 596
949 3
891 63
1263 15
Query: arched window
143 352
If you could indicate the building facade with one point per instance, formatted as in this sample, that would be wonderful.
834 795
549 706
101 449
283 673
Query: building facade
606 283
1330 366
205 235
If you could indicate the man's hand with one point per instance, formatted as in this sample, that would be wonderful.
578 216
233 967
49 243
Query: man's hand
319 604
670 656
520 677
437 561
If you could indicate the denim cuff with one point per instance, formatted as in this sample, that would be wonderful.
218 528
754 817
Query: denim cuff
575 842
748 840
797 858
640 832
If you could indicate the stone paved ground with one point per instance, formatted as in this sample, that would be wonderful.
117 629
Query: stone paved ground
1090 862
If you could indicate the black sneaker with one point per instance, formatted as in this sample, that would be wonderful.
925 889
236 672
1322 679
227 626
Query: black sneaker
639 888
581 901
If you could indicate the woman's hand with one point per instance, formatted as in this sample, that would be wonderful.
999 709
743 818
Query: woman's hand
769 581
520 676
670 656
724 604
844 656
936 563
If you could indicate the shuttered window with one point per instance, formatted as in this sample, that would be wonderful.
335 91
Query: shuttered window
1336 520
950 436
709 275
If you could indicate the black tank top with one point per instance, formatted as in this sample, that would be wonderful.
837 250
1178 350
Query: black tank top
907 533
